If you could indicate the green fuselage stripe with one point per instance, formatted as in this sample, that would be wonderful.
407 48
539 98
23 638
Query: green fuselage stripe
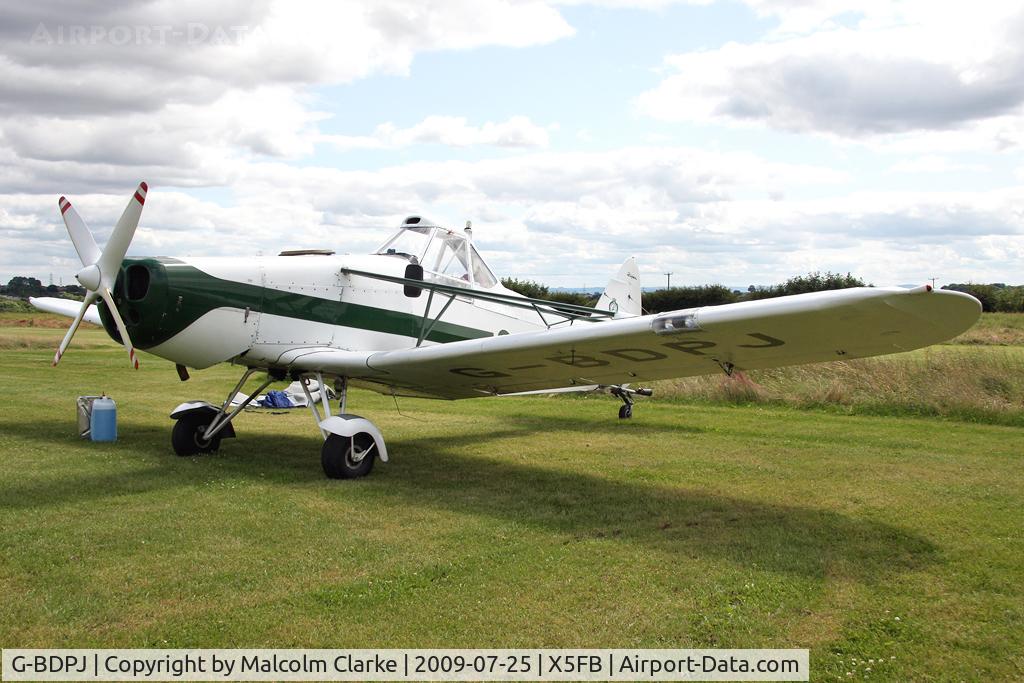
179 294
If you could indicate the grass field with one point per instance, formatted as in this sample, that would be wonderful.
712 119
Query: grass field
891 546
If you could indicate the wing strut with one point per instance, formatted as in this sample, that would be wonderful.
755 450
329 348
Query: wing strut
425 329
570 312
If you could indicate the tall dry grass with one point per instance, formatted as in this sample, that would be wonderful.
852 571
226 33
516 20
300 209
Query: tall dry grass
995 329
16 342
38 319
985 385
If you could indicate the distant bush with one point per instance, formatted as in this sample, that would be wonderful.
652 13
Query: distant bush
8 305
995 298
802 284
677 298
535 290
20 286
24 286
986 294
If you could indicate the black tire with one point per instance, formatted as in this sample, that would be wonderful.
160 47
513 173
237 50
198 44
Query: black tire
345 457
187 435
625 411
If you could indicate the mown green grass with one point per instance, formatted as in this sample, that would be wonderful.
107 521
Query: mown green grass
512 522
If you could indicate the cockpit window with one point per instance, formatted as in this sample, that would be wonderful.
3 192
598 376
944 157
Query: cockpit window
453 258
409 243
481 273
441 252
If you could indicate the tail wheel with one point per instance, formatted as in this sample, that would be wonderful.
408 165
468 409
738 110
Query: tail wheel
348 457
625 411
187 435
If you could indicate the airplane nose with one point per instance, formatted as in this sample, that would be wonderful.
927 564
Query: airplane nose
140 294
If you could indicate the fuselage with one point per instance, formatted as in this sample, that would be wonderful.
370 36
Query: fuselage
203 311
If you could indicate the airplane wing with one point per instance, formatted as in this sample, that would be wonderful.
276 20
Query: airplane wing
806 328
68 307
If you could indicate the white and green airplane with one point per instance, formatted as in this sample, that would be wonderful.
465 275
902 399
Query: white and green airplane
424 316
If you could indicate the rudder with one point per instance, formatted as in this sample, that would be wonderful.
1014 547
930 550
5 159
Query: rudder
622 295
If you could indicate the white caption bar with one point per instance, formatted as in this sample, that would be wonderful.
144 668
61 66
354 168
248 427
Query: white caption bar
404 665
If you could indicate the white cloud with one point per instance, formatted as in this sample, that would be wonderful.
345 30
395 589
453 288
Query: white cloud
924 68
570 218
216 128
301 42
932 163
454 131
80 111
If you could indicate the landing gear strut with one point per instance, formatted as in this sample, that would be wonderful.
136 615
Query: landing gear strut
351 443
200 425
627 394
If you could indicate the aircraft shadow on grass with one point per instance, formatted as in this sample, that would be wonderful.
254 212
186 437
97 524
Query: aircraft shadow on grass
579 506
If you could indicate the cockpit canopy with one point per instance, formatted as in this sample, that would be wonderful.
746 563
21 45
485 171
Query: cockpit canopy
444 254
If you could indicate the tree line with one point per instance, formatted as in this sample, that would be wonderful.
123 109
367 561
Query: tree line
24 287
996 297
676 298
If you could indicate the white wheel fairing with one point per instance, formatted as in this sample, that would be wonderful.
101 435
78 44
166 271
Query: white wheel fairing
349 425
191 407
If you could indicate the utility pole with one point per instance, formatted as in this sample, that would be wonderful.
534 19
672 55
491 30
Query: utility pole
668 282
933 282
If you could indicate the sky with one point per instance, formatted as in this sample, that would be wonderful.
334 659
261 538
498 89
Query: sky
738 142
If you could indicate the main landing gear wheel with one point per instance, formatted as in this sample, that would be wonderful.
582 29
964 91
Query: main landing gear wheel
345 457
626 411
187 436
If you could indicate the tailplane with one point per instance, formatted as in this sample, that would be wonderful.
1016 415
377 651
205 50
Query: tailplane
622 295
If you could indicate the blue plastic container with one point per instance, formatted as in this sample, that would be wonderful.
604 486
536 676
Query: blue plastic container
103 421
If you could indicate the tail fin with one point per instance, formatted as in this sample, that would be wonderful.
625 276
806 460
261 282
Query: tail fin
622 294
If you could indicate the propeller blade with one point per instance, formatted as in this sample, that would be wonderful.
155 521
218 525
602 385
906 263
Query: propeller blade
89 298
110 261
101 267
81 236
108 298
